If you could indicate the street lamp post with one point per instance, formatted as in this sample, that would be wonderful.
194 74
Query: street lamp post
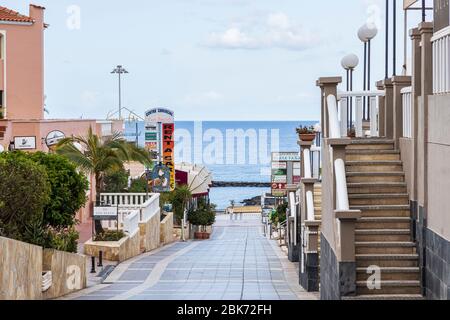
120 70
349 63
366 33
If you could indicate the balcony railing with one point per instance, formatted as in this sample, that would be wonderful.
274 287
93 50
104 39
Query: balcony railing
355 108
407 112
441 61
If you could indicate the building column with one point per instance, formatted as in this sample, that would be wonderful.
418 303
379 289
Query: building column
328 85
398 83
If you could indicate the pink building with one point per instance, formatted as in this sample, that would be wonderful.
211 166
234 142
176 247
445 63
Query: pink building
22 123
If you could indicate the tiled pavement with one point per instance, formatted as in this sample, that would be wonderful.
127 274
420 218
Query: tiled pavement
238 263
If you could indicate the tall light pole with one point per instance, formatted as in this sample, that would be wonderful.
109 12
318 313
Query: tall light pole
366 33
120 70
349 63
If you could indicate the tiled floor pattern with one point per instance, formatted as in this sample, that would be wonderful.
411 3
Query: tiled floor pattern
238 263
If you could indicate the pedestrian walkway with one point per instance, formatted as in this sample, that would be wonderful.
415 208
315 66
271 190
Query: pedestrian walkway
238 263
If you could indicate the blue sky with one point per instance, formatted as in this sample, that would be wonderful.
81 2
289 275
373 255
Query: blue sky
205 59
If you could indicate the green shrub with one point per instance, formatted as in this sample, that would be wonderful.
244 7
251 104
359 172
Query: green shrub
68 189
110 235
116 181
24 193
138 186
62 239
204 215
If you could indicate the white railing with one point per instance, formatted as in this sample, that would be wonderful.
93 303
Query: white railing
316 161
407 112
441 61
352 112
342 202
150 208
124 199
131 223
309 195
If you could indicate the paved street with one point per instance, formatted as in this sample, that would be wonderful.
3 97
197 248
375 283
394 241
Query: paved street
238 263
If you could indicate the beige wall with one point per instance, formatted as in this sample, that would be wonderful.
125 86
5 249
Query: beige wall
439 165
150 233
167 229
407 153
68 272
20 270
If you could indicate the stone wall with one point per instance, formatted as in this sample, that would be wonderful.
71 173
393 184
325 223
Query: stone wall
150 233
437 255
21 270
122 250
329 274
68 272
166 229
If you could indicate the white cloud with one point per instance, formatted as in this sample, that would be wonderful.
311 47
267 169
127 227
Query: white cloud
275 31
89 98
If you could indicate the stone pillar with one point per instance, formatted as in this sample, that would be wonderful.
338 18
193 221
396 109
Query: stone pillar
426 88
346 251
309 262
398 83
416 85
293 230
386 118
381 111
328 85
303 146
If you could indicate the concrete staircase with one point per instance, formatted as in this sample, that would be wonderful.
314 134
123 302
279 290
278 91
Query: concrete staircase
376 186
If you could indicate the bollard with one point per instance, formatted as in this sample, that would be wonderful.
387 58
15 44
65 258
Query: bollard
93 265
100 259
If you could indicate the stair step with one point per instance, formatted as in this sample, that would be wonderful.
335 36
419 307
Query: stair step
358 141
374 166
390 274
390 287
376 187
383 223
372 155
386 260
375 176
383 211
378 235
385 247
379 199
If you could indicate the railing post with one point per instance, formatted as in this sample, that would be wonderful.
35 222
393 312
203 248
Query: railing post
398 83
309 262
387 111
338 146
381 111
293 227
328 85
346 251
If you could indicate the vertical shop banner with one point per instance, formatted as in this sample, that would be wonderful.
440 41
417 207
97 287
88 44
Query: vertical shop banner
168 146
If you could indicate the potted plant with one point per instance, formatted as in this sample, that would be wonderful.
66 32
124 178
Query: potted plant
306 134
202 217
351 133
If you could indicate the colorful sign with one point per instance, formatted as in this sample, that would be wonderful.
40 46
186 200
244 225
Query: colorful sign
168 150
279 189
160 179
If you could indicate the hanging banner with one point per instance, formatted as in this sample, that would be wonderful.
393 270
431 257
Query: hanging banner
168 150
160 179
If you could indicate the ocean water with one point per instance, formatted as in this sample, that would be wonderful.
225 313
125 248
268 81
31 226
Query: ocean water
233 151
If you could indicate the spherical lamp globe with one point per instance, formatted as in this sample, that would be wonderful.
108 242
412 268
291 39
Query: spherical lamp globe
367 32
350 61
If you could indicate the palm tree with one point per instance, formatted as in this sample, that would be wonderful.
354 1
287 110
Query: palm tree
96 156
